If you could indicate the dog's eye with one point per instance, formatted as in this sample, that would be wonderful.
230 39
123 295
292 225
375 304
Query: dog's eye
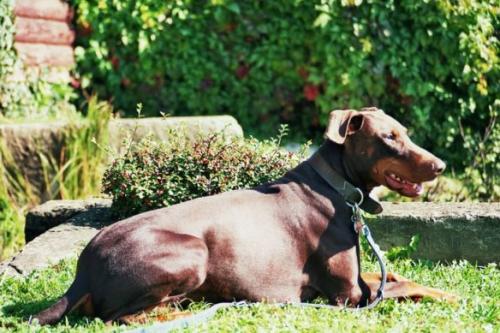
390 136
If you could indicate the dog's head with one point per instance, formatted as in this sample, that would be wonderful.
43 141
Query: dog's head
380 151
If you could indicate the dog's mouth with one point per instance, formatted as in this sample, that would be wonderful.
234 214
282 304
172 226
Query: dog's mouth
403 186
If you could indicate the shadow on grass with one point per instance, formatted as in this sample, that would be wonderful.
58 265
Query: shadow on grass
26 309
23 311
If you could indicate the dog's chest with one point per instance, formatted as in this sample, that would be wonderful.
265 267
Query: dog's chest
258 268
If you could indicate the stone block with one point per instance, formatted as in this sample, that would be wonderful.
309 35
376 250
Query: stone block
61 242
448 231
55 212
27 142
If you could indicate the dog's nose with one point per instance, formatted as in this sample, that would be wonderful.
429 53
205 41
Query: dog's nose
438 167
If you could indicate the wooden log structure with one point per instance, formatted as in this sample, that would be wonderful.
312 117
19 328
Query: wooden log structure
44 35
30 30
54 10
39 54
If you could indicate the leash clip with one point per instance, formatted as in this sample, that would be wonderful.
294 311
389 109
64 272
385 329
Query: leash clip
361 198
357 219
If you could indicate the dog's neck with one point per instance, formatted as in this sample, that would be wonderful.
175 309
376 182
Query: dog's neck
334 155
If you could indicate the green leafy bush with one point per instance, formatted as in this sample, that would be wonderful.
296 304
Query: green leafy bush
432 64
153 174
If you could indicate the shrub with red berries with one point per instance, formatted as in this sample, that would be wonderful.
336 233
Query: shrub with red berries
155 174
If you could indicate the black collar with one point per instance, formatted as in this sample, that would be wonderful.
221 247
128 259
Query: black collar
351 194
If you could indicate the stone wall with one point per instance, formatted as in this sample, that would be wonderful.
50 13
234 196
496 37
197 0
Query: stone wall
448 231
27 142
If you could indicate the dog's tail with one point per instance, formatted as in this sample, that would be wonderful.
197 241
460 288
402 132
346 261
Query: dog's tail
76 295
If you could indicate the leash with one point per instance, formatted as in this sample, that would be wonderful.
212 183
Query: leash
360 227
355 199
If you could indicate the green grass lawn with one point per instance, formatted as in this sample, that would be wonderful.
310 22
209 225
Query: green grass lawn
477 311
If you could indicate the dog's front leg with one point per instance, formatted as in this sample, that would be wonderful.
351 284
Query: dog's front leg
401 288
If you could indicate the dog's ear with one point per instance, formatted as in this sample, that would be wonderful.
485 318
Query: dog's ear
343 123
372 109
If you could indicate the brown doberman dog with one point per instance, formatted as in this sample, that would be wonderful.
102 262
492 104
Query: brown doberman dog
287 241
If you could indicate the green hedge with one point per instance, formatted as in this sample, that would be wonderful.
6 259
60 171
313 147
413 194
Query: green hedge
153 175
430 63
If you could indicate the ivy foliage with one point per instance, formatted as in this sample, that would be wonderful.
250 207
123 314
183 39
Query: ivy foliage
8 58
26 92
432 64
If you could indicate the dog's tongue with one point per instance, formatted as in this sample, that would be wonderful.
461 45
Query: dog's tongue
412 190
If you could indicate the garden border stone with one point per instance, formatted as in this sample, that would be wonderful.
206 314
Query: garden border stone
62 241
159 127
55 212
448 231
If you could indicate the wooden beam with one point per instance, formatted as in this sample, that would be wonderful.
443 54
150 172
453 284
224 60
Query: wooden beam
30 30
44 9
50 74
45 55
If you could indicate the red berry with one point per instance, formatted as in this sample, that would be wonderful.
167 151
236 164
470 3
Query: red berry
125 82
115 61
311 92
242 71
